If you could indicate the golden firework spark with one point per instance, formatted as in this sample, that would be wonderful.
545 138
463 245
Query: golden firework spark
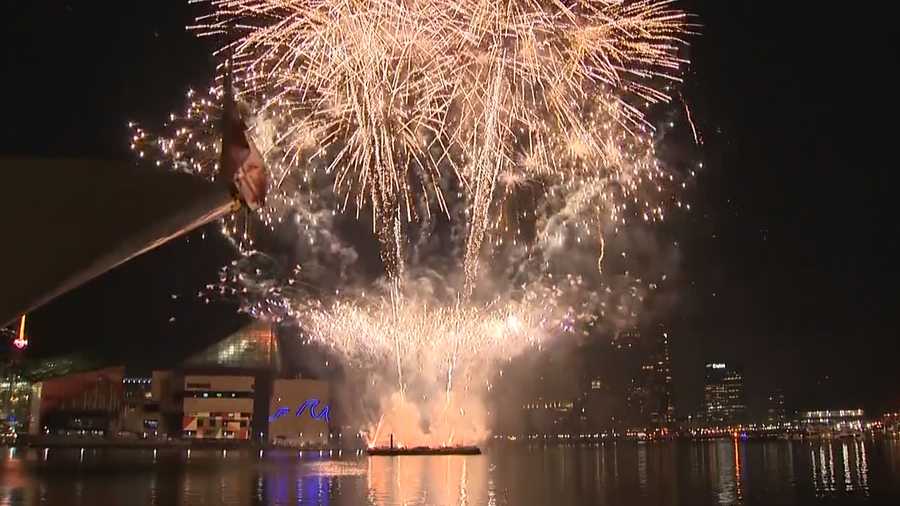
528 112
400 95
436 359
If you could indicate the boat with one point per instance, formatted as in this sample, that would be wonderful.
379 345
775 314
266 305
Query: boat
389 451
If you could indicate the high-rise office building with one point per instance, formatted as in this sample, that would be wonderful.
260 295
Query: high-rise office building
775 411
723 395
627 339
664 379
650 393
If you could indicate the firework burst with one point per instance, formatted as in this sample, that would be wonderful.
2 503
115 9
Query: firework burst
519 125
399 95
430 360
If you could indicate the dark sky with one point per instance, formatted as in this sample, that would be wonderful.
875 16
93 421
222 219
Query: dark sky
788 255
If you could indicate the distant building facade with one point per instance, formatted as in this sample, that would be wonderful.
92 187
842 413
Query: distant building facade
230 390
650 395
832 422
890 422
300 413
775 410
218 406
723 395
548 416
15 404
140 411
86 403
602 405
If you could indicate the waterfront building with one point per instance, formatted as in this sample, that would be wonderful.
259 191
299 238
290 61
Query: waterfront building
15 401
218 406
137 389
723 395
548 416
300 413
20 390
832 422
140 411
890 422
225 388
79 404
230 390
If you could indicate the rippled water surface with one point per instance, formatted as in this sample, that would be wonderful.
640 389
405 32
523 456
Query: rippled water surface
708 473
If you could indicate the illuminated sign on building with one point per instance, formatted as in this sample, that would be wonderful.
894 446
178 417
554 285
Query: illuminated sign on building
21 342
717 366
308 405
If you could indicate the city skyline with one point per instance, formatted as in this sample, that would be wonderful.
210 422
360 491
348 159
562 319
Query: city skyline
649 380
70 391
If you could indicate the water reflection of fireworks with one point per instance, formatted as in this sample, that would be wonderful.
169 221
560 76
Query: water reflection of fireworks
335 468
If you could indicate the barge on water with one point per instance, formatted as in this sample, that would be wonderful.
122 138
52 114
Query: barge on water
389 451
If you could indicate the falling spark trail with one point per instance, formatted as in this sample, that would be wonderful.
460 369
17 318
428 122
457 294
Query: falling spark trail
687 111
374 440
602 253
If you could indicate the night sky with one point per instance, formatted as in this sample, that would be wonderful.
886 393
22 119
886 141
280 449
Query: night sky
788 255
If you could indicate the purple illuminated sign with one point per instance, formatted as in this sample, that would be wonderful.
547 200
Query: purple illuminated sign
311 405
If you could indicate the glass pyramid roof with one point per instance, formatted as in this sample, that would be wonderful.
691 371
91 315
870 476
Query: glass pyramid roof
253 347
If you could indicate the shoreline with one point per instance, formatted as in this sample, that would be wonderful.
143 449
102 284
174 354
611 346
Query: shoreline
155 444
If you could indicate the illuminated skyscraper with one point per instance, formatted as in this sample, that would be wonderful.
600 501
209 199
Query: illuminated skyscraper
650 394
664 380
775 412
723 395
